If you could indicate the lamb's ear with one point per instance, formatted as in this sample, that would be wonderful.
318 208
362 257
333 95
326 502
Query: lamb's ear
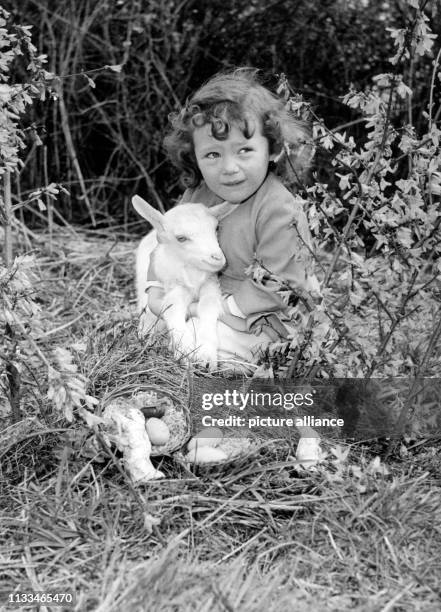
222 210
153 216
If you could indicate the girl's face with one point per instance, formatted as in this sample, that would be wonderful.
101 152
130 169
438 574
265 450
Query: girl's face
233 168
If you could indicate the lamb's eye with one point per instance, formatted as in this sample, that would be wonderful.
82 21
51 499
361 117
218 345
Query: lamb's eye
181 238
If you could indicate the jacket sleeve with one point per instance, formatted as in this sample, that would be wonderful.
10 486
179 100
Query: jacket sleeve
283 246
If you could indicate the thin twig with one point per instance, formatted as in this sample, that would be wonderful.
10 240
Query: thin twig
7 204
72 151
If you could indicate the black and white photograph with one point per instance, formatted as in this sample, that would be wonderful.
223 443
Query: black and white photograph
220 305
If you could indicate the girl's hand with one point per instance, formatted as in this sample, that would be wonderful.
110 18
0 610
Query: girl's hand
225 316
229 319
193 308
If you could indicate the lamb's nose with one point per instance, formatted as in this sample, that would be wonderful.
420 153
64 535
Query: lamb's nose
217 257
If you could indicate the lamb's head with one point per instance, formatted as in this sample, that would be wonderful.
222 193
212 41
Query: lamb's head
188 231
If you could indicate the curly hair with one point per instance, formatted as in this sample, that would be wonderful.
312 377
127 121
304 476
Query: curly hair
237 98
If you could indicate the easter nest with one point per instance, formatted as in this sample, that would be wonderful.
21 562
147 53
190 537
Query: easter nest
174 413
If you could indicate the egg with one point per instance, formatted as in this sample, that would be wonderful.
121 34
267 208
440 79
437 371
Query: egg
157 431
308 451
206 454
209 436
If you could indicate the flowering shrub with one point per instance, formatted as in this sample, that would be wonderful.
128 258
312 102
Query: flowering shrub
21 325
381 310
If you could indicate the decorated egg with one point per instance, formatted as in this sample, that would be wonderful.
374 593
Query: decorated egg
209 436
206 454
157 431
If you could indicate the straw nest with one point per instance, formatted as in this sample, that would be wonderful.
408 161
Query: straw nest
176 414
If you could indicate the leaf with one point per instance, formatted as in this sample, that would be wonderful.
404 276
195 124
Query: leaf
340 453
150 522
404 235
115 67
327 142
79 347
345 181
383 80
91 419
6 93
435 183
376 467
90 81
264 371
403 90
356 471
90 401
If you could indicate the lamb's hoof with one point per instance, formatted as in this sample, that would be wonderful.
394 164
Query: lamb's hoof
157 475
206 358
309 453
154 475
210 366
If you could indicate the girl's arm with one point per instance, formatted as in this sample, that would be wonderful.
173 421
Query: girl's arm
284 248
230 316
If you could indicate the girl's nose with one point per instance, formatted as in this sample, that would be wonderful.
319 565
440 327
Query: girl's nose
230 165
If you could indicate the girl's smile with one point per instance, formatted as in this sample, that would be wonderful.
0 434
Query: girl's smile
234 168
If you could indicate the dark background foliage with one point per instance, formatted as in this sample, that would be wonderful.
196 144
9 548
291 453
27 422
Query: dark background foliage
114 122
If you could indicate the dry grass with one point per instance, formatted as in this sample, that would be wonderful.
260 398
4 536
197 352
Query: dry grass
253 536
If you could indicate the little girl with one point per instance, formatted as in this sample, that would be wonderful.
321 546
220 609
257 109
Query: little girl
227 141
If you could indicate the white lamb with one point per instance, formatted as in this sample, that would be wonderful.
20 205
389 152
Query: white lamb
185 256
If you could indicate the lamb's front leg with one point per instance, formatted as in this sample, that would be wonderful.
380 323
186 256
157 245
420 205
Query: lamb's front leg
175 308
209 309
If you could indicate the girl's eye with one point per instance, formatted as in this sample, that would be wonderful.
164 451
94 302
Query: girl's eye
181 238
245 150
212 155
